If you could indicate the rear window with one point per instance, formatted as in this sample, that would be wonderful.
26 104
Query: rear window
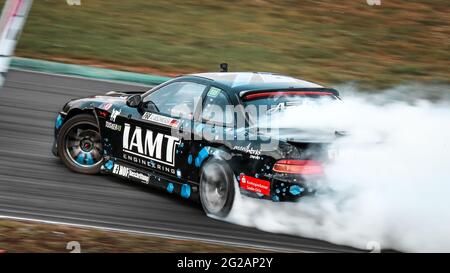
266 103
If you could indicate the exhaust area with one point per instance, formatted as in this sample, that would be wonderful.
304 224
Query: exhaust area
388 183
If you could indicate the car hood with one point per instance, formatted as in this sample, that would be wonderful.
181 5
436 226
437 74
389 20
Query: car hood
113 97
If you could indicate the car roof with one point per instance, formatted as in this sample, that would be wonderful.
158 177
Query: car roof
253 81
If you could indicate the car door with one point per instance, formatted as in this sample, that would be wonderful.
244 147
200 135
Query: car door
214 126
217 117
154 139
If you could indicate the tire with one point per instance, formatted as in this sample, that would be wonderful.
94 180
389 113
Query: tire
79 144
217 188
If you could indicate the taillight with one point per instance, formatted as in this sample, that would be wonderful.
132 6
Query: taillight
292 166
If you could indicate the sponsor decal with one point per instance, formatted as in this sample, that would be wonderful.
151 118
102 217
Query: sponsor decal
170 187
149 163
202 155
254 153
130 173
185 191
113 126
296 190
105 106
109 164
155 118
59 121
103 114
114 114
213 92
149 146
254 184
120 170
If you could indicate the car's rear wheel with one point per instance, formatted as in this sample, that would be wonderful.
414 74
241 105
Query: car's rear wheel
79 144
217 188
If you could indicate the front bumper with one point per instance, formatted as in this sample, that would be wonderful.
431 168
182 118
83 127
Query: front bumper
55 148
59 121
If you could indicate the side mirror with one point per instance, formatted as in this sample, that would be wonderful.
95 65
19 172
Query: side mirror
134 101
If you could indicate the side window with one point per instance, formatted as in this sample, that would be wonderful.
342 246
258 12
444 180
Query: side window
177 99
217 108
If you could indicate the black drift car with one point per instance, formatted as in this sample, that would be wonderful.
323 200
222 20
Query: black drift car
196 135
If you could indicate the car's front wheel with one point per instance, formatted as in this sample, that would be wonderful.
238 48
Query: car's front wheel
217 188
79 144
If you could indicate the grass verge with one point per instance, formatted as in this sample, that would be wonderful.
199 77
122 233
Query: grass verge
324 41
25 236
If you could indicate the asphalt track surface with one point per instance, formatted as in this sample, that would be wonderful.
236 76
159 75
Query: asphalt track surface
35 185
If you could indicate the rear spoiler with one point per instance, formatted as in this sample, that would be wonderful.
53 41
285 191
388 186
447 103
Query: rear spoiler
124 92
334 92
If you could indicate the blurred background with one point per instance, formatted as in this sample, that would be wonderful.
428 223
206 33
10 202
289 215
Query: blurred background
329 42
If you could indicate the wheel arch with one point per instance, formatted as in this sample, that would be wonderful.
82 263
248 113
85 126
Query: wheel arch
223 153
77 117
220 152
76 111
69 115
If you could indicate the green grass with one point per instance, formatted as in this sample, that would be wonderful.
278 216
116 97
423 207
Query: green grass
25 236
324 41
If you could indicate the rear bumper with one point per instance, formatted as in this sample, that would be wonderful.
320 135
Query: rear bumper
286 187
283 187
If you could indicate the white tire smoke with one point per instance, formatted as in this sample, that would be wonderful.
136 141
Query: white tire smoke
390 181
